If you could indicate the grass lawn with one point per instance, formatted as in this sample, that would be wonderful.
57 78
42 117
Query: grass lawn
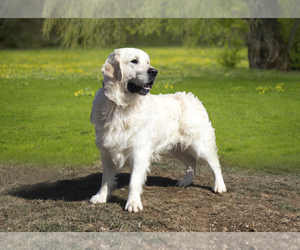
46 98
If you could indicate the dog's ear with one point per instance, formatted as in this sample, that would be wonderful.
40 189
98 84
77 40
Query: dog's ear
111 68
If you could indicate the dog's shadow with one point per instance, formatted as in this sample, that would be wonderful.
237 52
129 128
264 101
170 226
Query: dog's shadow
83 188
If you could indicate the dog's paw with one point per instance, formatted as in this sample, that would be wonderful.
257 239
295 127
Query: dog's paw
184 183
187 179
134 205
220 187
98 198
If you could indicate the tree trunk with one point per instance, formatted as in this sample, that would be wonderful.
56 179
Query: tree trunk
266 49
292 34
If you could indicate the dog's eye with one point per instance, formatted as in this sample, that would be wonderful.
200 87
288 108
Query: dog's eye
134 61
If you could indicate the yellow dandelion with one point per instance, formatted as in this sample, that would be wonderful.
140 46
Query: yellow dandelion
280 87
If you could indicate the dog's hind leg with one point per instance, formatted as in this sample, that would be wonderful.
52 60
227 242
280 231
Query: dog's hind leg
219 185
190 163
209 154
109 172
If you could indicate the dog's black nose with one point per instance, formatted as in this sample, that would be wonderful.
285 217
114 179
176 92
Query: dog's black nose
152 72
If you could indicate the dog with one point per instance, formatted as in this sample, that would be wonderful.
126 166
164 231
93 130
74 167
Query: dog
134 127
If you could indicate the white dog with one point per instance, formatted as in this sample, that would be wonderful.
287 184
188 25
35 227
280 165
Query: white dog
133 127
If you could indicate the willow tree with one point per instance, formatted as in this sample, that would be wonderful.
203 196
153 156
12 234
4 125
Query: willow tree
267 48
134 16
86 33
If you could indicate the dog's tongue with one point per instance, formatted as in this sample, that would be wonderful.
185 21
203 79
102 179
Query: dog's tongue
148 86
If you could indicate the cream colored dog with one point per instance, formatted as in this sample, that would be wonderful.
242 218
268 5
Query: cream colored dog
133 127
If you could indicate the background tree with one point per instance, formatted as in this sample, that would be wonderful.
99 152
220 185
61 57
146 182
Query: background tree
267 39
266 48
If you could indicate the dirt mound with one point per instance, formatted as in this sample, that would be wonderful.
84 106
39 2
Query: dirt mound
56 199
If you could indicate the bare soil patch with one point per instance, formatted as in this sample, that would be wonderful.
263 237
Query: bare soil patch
56 199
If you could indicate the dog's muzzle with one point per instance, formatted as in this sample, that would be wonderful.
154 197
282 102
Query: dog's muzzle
143 89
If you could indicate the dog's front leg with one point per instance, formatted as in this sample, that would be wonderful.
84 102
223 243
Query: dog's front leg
138 177
109 171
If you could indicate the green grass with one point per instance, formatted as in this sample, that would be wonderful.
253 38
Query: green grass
44 123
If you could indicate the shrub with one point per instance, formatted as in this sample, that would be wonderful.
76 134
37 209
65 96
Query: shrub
229 56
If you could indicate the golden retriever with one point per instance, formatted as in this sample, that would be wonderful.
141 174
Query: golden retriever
133 127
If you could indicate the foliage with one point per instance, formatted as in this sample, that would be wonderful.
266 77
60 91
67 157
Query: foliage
44 123
229 57
209 31
101 32
192 32
171 9
285 28
144 9
233 38
87 32
23 34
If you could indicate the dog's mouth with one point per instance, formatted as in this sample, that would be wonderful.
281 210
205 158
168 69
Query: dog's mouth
140 89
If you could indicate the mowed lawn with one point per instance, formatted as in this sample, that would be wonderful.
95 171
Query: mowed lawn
46 98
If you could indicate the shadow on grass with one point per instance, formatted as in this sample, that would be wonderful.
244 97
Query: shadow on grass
84 188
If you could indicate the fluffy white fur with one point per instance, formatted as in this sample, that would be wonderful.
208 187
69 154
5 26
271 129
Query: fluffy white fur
133 129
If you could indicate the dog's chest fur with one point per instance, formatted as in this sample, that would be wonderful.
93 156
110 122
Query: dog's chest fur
117 127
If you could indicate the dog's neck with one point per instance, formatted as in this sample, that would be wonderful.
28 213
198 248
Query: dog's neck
118 96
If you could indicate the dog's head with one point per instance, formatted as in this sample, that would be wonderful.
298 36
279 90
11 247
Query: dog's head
127 73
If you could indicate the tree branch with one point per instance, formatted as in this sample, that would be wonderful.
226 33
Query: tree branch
292 34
